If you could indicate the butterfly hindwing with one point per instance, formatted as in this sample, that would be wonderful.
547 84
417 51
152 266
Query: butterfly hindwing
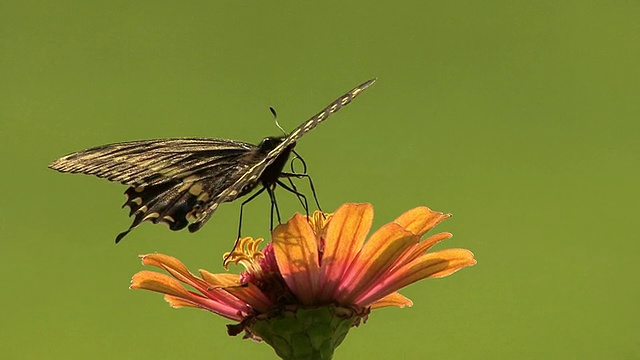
170 180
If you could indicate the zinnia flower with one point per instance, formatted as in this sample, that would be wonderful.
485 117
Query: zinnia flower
316 279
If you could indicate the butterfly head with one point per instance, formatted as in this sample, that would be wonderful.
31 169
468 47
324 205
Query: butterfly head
269 143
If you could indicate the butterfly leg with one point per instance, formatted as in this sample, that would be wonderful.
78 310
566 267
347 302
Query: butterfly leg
298 157
301 196
304 171
311 186
235 244
274 204
241 211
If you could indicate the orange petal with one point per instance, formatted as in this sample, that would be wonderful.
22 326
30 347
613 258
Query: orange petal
345 236
378 254
176 268
219 280
433 265
421 248
174 291
420 220
393 299
296 251
177 302
150 280
162 261
443 263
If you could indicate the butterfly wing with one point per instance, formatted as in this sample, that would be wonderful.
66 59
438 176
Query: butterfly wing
257 167
151 162
170 179
306 126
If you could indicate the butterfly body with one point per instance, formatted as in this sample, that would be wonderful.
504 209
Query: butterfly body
182 181
272 172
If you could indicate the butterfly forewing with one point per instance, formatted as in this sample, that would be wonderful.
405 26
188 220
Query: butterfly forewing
183 180
150 162
313 121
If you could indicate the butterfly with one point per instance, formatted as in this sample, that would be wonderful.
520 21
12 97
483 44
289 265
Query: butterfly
182 181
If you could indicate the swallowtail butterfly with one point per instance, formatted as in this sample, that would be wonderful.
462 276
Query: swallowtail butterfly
182 181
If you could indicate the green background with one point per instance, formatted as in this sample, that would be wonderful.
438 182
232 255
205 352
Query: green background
519 117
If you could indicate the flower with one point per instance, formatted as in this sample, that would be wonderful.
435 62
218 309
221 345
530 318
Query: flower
316 279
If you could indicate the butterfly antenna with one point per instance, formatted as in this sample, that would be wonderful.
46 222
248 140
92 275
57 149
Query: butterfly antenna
275 118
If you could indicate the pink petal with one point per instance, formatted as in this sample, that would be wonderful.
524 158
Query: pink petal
205 304
252 295
226 288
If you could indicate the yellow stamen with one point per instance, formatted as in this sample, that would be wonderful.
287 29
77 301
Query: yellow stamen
245 253
319 221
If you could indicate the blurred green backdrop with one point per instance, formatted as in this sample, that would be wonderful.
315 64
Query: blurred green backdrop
519 117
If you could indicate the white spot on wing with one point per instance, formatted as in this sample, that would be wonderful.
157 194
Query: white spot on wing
153 215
